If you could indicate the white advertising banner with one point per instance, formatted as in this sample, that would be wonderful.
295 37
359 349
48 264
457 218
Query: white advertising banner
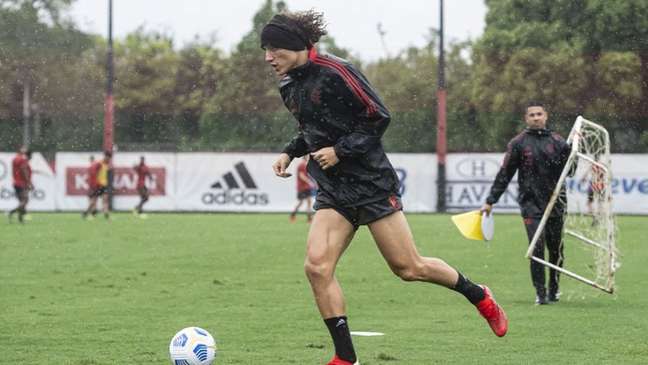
72 180
42 198
417 174
469 178
244 182
629 185
471 175
233 182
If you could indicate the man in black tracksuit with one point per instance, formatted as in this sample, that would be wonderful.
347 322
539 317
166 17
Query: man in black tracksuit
341 121
538 155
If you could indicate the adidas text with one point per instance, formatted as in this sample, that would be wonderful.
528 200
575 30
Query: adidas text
241 197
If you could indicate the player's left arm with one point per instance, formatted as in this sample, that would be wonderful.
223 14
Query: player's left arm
371 116
371 119
24 171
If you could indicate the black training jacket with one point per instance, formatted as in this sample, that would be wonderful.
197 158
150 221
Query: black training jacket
538 156
335 106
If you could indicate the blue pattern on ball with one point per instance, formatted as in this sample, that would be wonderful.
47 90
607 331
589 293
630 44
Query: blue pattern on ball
201 352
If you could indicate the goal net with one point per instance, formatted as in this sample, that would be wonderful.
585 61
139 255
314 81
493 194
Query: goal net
589 221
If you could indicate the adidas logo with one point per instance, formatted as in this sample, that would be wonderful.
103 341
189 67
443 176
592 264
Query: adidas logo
234 184
231 182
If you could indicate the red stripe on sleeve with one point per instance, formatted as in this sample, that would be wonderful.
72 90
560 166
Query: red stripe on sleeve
351 81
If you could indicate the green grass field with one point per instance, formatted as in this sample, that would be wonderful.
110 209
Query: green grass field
89 293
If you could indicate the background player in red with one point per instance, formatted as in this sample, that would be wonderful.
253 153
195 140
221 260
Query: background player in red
22 173
142 172
98 182
305 187
595 188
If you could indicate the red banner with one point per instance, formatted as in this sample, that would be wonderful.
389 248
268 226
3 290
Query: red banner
124 181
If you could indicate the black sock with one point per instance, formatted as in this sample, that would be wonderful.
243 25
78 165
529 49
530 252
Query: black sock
474 293
339 329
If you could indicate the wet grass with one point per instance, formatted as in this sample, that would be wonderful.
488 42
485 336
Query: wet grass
77 292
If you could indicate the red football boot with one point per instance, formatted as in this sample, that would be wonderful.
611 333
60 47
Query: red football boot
337 361
493 313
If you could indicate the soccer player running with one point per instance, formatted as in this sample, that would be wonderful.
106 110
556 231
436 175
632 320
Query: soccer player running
304 190
341 121
538 155
596 187
98 181
142 171
22 173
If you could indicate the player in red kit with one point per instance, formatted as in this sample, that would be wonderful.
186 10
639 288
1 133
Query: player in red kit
142 172
305 187
22 173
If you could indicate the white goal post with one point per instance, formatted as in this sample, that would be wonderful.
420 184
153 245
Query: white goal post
590 223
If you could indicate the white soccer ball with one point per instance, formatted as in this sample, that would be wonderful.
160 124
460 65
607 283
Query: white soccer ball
192 346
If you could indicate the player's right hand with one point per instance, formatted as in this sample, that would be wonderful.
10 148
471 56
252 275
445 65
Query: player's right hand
280 166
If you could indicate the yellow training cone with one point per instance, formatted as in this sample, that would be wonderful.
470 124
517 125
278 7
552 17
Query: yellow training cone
469 224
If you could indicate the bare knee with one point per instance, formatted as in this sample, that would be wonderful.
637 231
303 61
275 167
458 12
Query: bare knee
317 270
408 272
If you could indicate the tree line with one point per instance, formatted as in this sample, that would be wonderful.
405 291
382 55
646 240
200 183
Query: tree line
586 57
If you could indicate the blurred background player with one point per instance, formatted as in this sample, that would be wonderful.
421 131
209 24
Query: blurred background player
538 155
142 171
595 188
22 183
91 190
98 182
305 188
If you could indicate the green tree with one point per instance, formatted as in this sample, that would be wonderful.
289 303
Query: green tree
556 51
622 26
200 73
146 66
407 83
39 55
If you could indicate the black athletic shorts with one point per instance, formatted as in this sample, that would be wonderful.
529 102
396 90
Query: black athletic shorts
590 194
99 191
21 193
363 214
143 191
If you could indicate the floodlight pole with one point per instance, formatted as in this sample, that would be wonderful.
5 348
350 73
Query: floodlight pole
108 104
441 146
110 75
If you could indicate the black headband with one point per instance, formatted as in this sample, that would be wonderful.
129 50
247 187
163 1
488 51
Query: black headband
281 32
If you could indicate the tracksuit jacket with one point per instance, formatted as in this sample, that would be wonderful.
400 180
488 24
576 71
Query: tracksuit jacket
335 106
538 156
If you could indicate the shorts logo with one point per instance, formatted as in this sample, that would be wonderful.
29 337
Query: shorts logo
393 201
233 186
